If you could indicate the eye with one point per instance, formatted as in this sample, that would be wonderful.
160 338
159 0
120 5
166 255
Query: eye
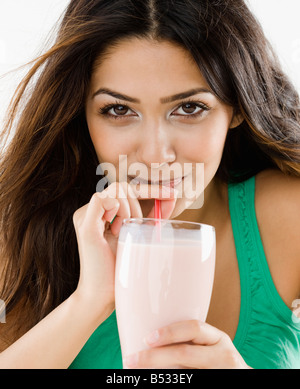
190 109
117 111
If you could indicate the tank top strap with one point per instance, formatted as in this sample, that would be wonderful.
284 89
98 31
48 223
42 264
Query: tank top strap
240 196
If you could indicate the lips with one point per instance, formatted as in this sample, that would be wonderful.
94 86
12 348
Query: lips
166 183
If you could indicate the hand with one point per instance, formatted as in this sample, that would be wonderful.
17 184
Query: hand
188 344
97 239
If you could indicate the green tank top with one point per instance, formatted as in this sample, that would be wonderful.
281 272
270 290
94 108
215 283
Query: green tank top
268 333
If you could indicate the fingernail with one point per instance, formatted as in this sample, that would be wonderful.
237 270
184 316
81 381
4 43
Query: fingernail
153 337
131 360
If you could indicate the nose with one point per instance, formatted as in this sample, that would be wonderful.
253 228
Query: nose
155 145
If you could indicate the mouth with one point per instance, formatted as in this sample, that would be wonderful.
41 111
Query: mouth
166 183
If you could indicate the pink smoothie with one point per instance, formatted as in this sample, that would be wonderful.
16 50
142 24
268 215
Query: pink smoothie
160 284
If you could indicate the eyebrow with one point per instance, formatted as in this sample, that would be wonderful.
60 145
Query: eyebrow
163 100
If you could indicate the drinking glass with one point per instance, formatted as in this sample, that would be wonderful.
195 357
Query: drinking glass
164 274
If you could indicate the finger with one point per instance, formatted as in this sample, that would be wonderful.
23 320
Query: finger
185 331
135 208
129 204
88 220
124 211
221 355
98 207
108 213
167 196
161 357
179 356
128 195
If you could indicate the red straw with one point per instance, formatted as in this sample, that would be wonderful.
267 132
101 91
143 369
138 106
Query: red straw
157 215
157 210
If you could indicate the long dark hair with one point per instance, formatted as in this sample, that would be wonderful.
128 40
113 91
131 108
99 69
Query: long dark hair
48 169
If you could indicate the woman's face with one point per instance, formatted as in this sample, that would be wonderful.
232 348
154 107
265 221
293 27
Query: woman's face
149 103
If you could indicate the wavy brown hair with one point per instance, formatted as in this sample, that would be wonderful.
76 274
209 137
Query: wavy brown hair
48 169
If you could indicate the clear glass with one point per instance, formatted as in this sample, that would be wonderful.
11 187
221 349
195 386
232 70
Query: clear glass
164 274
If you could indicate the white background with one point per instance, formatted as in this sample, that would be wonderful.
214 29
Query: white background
25 26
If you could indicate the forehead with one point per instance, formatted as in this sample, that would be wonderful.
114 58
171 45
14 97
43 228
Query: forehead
144 63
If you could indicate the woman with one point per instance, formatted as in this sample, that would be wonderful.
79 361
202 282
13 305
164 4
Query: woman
160 82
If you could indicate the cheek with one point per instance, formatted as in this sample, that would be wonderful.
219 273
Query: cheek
207 145
108 145
214 146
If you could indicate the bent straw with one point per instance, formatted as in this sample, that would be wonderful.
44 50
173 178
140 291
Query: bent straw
157 215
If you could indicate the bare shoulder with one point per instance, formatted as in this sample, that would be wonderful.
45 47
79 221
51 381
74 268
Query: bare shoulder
277 203
274 184
277 199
